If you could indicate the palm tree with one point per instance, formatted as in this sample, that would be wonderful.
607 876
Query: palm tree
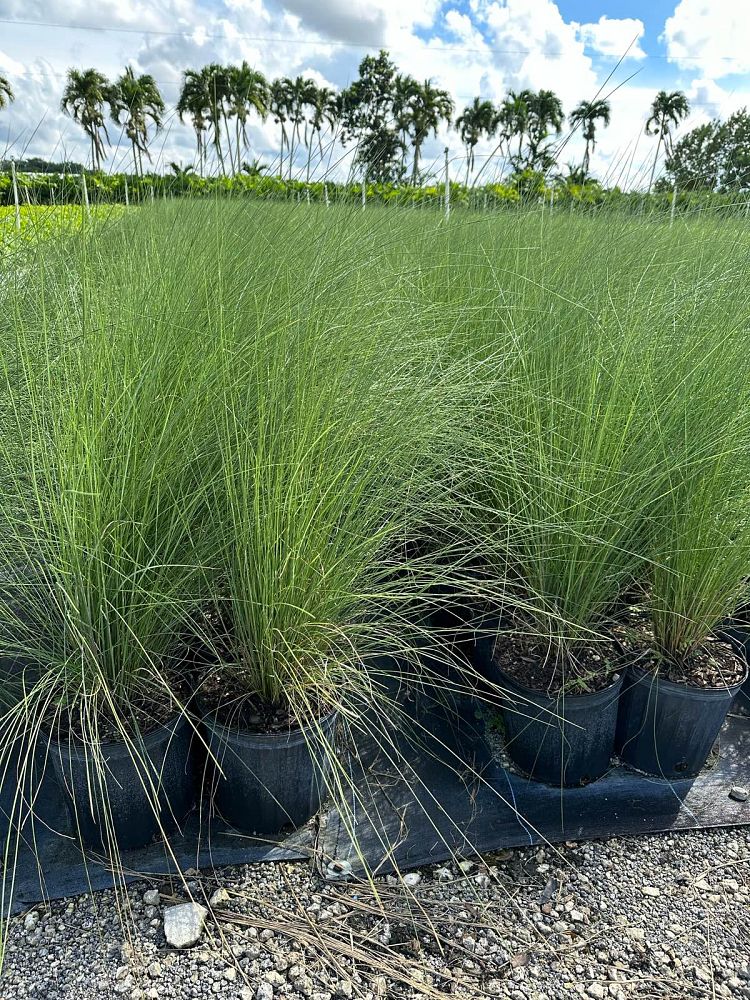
427 107
84 97
254 169
194 101
586 116
545 116
138 98
248 92
216 82
6 93
514 117
477 119
301 95
204 95
666 110
404 89
182 172
279 105
325 107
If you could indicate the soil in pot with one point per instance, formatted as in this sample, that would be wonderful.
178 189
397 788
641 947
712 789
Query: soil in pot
265 771
671 711
559 715
121 792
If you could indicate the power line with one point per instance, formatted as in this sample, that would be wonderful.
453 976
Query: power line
290 40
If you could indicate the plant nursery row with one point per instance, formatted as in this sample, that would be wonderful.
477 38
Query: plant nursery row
266 467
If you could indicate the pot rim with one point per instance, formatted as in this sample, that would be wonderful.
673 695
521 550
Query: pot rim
287 738
688 690
77 749
590 698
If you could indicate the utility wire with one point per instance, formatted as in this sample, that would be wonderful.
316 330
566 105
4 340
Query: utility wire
290 40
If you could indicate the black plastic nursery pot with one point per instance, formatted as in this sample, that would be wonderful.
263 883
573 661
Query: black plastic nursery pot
127 795
738 634
264 782
565 739
668 729
742 701
17 779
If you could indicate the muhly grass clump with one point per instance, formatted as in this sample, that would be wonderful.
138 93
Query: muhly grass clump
252 417
623 377
699 546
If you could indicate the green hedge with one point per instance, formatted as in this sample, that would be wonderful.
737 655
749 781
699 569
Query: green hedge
60 189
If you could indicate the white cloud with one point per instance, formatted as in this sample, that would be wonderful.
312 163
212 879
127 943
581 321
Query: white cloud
710 36
10 66
610 36
710 100
485 48
536 47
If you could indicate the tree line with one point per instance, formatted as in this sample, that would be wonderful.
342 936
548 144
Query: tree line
385 115
714 156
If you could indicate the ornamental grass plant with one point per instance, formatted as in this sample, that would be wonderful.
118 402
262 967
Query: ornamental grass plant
220 419
623 377
250 449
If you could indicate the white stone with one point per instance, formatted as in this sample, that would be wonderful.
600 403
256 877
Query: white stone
219 897
597 991
412 879
183 924
151 897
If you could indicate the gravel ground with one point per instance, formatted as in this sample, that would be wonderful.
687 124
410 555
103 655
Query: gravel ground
659 916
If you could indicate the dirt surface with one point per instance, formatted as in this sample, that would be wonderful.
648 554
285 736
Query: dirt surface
531 662
714 664
143 714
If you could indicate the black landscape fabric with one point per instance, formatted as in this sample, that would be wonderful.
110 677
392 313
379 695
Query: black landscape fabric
439 792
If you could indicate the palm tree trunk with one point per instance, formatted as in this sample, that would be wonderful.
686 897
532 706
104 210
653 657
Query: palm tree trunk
653 167
415 165
219 151
229 138
238 144
291 149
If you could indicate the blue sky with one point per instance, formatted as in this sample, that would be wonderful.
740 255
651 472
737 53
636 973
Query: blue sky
468 46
